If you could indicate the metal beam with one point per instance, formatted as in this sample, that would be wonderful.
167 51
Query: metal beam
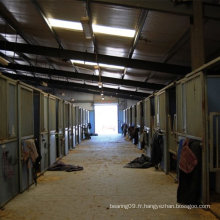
197 36
89 14
139 28
94 92
23 56
180 8
80 87
12 22
75 75
70 54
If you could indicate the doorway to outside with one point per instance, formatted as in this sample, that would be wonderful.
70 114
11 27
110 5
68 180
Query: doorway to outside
106 118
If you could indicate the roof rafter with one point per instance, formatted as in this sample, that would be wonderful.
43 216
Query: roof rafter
112 60
76 75
88 88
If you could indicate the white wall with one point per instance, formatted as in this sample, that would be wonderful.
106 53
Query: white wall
87 100
131 102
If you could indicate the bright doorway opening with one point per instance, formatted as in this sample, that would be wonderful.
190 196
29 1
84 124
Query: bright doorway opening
106 118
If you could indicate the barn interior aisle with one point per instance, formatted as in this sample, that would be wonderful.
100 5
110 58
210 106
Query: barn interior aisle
93 192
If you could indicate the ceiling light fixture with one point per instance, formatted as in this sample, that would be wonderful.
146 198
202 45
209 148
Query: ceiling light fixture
95 64
112 66
78 61
99 72
113 31
96 70
71 25
103 98
100 84
65 24
87 29
90 63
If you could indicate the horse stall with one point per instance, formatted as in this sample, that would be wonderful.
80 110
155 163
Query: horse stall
134 124
124 116
172 143
83 123
70 126
26 133
41 132
198 119
74 125
140 124
149 115
9 163
165 125
129 120
80 112
129 116
77 123
52 130
134 115
86 129
66 126
87 117
124 124
60 127
160 128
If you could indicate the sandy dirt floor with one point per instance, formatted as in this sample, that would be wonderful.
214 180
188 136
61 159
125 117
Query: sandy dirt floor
90 194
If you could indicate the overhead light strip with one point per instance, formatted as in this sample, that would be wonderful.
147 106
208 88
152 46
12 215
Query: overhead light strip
113 31
95 64
65 24
71 25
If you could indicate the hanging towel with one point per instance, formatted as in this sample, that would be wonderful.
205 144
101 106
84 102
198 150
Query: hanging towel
188 160
29 151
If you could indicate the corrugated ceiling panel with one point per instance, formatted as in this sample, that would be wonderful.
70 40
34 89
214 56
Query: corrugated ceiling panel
127 88
118 17
161 78
74 40
91 83
212 39
30 22
141 79
71 11
110 86
115 16
111 74
161 31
